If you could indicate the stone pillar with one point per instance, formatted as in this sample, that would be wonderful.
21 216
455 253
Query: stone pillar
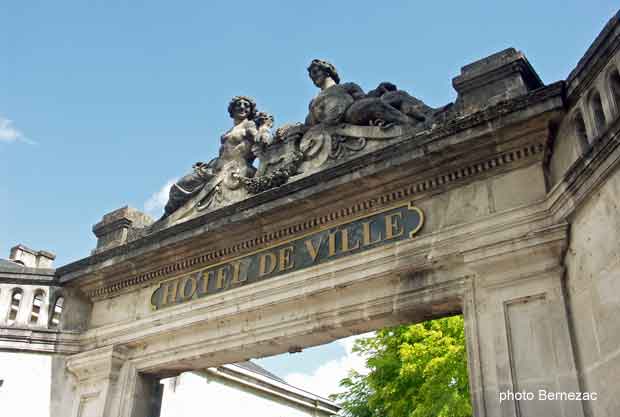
103 383
5 302
25 306
44 318
518 329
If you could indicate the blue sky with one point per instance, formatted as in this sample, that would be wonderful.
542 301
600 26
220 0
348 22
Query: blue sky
102 103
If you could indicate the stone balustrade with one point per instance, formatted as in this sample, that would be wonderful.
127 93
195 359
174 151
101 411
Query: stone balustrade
32 304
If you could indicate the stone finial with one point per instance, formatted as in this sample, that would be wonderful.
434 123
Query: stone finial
113 229
498 77
31 258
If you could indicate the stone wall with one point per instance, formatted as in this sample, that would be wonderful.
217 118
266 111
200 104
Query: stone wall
593 288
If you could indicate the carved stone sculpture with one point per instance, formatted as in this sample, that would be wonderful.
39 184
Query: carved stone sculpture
218 180
348 103
342 121
264 123
402 101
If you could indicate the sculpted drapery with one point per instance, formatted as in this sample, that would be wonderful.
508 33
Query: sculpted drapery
337 108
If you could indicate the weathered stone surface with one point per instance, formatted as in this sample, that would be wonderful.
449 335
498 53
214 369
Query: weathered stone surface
498 77
31 258
116 228
520 235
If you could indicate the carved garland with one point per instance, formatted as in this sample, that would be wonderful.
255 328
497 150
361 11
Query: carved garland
273 179
420 187
343 146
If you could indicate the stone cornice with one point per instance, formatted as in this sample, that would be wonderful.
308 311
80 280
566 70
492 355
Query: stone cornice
594 60
522 66
586 173
420 141
28 279
39 340
101 229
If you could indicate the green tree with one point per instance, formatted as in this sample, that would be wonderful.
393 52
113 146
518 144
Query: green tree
414 371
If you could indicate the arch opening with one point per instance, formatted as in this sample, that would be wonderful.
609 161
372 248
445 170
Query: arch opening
54 322
614 87
16 299
37 304
596 106
579 127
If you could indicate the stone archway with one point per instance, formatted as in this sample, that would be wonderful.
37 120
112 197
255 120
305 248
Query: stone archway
418 213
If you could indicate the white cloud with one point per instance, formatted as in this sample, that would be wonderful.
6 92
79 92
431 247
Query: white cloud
9 133
156 202
325 379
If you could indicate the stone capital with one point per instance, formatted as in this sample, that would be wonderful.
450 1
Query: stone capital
103 364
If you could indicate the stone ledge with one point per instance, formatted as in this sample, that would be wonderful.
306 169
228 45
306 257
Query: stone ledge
587 172
39 340
594 60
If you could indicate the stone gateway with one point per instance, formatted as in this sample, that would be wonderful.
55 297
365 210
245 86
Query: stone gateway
375 210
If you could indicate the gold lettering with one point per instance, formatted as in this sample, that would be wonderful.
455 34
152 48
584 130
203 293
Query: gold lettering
205 280
313 251
236 273
393 225
366 235
345 242
263 267
221 275
192 281
286 258
332 244
167 296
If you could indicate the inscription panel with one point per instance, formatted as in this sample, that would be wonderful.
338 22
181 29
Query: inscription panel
358 235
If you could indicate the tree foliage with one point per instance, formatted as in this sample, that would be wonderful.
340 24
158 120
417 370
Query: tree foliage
418 370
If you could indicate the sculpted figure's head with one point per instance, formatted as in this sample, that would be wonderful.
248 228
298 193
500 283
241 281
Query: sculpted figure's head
263 119
320 71
242 108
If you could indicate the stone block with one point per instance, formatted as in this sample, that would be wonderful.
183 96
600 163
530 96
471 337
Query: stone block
498 77
115 227
518 188
468 203
32 258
